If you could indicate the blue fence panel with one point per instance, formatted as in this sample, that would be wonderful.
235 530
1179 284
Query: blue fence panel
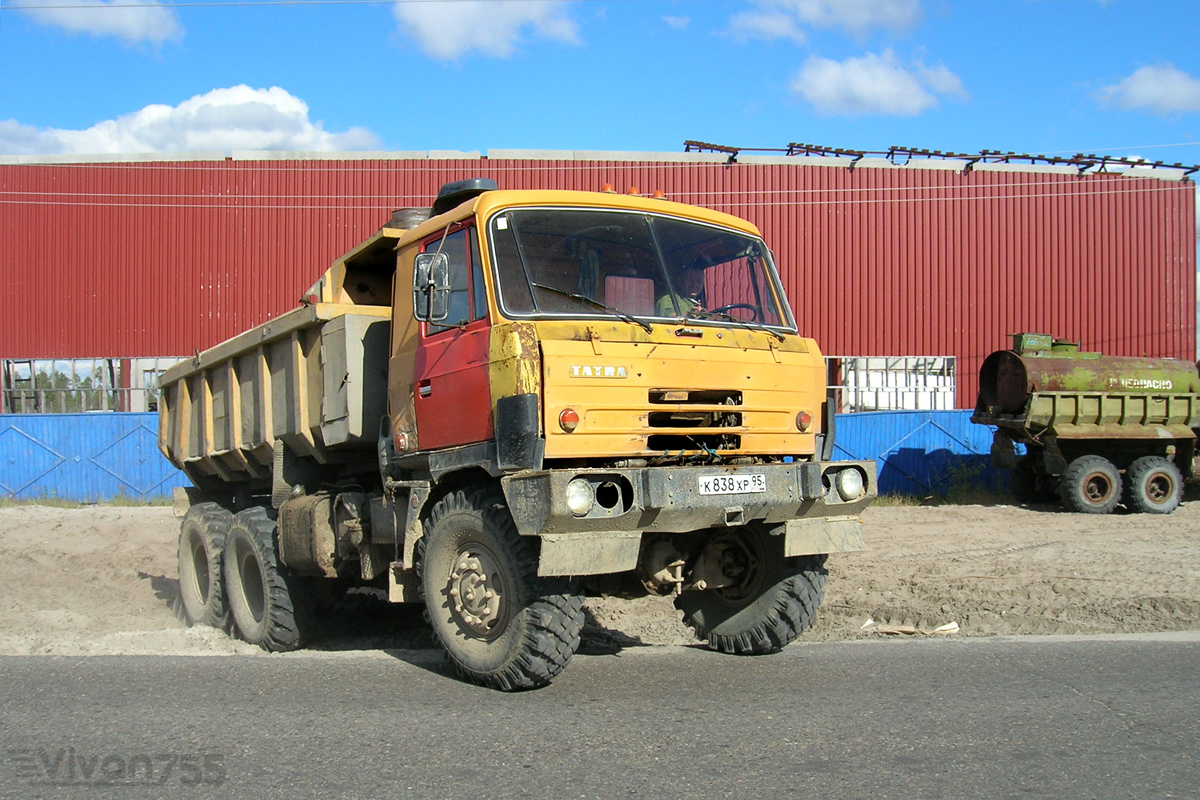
84 457
101 456
921 453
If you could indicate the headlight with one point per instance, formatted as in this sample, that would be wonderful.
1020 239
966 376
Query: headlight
580 497
568 420
849 483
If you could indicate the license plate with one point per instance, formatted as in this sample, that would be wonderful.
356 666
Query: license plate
733 484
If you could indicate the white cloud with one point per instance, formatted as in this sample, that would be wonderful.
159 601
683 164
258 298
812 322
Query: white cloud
449 30
874 84
237 118
766 25
1162 89
132 21
18 139
679 23
787 19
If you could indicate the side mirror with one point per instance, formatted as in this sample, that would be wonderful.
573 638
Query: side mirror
431 287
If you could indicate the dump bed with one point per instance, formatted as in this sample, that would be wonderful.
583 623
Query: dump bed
314 379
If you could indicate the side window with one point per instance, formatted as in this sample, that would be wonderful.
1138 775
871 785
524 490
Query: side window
468 301
478 288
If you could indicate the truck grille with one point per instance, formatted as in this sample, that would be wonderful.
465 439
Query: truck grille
696 420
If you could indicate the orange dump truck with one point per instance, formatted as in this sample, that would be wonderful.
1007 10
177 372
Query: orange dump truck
504 404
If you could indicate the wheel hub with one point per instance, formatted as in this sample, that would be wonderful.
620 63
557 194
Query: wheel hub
1159 488
1098 488
475 592
741 567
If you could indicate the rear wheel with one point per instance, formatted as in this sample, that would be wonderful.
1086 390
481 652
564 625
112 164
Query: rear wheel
1153 485
1091 485
270 607
201 544
500 624
771 602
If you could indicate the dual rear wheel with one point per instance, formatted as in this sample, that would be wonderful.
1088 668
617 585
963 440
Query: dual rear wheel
230 577
1093 485
201 544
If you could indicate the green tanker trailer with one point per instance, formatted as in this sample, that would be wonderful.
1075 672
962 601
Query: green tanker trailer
1098 430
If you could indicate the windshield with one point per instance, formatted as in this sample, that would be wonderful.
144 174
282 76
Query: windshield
585 262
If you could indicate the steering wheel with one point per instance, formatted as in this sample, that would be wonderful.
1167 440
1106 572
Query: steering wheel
725 309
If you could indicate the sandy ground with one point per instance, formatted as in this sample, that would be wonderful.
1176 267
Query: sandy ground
103 580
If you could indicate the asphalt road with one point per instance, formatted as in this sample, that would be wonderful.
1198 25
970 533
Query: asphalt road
973 718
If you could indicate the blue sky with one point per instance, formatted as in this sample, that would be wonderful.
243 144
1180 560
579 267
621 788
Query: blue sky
1031 76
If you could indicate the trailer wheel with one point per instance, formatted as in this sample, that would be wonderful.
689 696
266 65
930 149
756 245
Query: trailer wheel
201 544
270 607
774 601
1153 485
1091 485
500 624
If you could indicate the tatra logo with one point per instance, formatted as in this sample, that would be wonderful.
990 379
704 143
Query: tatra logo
597 371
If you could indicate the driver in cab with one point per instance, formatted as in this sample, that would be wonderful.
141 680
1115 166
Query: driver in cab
691 281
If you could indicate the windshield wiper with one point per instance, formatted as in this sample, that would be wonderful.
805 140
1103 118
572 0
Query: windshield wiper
583 298
751 326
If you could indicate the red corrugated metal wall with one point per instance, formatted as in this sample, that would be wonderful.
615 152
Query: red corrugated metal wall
155 258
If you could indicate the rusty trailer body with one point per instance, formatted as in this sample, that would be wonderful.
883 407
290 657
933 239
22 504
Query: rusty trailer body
1098 430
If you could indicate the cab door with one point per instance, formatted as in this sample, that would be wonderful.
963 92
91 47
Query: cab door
451 392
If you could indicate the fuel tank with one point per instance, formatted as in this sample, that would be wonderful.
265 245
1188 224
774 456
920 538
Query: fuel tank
1039 364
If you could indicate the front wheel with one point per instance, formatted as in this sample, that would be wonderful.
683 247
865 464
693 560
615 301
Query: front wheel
1153 485
500 624
770 602
1091 485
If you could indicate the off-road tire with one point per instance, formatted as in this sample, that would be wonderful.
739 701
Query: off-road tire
521 635
1153 485
270 607
775 604
201 545
1091 485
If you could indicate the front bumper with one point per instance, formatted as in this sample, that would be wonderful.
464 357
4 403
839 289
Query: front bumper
671 499
800 502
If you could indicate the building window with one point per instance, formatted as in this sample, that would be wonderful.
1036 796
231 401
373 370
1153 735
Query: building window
75 385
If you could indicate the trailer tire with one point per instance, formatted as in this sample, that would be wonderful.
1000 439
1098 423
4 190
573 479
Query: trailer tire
1091 485
500 625
201 546
1153 485
270 607
774 604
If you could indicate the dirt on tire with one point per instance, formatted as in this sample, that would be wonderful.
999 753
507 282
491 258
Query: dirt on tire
103 580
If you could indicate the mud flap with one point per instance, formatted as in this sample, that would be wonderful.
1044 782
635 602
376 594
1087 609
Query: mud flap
1004 455
601 553
807 537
